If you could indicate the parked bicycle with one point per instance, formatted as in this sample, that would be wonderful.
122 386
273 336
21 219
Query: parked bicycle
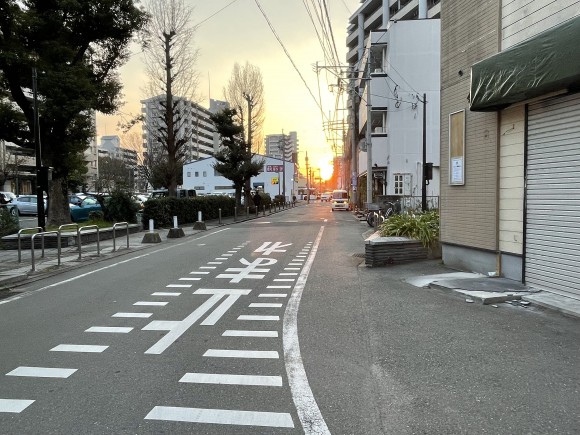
376 217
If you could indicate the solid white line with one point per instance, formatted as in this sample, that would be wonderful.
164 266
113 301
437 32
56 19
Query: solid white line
279 286
306 406
246 333
14 405
228 353
41 372
225 379
133 315
110 329
178 286
150 304
165 294
264 305
78 348
251 317
221 416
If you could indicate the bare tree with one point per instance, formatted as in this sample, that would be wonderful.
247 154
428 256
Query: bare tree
133 141
170 66
245 93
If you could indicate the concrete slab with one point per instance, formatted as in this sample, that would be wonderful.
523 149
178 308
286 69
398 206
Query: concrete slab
556 302
425 280
493 285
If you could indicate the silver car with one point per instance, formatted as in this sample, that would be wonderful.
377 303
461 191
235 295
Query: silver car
27 205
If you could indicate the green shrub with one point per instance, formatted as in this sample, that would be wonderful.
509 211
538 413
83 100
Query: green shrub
120 207
419 226
279 199
8 223
162 210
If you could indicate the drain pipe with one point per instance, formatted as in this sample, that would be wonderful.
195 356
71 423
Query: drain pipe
422 9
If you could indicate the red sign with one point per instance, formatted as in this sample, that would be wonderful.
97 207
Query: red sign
274 168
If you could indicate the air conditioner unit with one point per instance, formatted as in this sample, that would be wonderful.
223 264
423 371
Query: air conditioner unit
378 129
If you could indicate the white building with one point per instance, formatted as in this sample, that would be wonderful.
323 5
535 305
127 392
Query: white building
201 176
396 57
282 146
192 123
111 147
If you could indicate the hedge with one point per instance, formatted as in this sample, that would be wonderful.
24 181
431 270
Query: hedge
162 210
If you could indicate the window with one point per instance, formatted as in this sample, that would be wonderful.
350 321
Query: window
188 174
398 184
204 173
196 174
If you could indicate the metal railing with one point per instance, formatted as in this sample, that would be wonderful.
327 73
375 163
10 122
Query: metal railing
42 246
19 238
115 226
88 227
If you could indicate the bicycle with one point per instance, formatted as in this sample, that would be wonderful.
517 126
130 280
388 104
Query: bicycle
376 217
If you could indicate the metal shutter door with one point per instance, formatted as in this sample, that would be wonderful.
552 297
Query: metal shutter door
552 257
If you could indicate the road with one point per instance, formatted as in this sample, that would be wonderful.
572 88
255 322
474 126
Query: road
271 326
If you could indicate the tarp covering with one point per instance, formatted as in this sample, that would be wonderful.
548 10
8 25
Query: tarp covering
547 63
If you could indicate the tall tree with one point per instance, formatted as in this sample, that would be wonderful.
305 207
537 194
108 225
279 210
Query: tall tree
76 47
170 65
234 161
245 93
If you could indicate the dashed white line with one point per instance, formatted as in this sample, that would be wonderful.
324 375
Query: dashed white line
78 348
178 286
14 405
166 294
291 268
133 315
150 304
288 273
221 259
251 317
264 305
41 372
247 333
279 286
110 329
199 273
272 295
283 280
207 267
227 379
249 354
221 416
215 262
189 279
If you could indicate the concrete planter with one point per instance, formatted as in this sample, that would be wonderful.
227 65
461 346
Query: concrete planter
381 251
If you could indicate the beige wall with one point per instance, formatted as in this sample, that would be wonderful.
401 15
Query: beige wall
511 173
470 32
523 19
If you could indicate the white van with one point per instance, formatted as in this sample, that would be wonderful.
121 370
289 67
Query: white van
339 200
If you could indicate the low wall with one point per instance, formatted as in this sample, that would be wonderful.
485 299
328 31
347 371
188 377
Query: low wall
380 251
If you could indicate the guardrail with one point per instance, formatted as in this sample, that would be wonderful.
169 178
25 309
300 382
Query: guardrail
89 227
115 226
42 245
19 238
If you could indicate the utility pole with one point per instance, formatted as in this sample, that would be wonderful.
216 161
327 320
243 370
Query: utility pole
424 182
39 171
368 136
307 184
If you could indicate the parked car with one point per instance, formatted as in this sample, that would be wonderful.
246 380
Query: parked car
80 212
27 205
76 198
9 196
326 196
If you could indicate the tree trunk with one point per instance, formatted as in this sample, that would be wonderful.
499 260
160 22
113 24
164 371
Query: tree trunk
58 208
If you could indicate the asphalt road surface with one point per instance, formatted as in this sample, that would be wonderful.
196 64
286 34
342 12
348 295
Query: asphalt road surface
272 326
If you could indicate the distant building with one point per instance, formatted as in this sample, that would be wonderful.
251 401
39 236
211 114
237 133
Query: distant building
216 106
193 124
282 146
111 147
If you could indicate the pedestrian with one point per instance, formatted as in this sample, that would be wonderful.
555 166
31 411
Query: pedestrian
293 199
257 200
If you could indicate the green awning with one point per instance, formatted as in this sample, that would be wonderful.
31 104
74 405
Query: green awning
547 63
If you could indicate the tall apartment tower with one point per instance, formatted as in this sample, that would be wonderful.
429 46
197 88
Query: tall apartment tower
193 123
282 146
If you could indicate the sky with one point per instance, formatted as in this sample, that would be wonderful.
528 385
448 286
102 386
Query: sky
240 33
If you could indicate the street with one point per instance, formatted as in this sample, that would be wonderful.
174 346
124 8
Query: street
274 326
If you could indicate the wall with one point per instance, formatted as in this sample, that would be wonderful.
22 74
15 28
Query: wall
469 33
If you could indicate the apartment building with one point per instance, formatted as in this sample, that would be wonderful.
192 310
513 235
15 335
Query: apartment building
394 70
510 140
282 146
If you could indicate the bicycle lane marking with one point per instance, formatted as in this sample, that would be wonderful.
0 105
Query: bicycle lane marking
306 406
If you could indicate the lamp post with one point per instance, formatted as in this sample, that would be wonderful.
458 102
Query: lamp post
39 171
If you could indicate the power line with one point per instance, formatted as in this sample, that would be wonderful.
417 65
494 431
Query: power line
215 13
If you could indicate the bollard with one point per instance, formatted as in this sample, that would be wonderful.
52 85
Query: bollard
151 225
235 214
199 219
219 216
174 221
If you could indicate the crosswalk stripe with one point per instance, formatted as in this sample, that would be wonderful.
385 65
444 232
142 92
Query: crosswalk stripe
133 315
252 317
78 348
227 379
221 416
272 295
14 405
150 304
264 305
165 294
178 286
198 273
110 329
41 372
251 354
284 280
248 333
279 286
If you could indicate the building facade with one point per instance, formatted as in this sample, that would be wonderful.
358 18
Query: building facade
394 64
511 150
282 146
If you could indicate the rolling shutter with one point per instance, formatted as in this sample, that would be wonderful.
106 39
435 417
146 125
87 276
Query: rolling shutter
552 250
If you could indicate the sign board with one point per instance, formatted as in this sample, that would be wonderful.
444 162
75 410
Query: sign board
274 168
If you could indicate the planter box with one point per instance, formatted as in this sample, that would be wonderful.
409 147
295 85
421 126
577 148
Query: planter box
380 251
67 238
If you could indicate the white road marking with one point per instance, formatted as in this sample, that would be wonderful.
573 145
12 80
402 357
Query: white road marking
252 270
14 405
199 273
221 416
207 267
178 286
133 315
251 354
272 295
251 317
78 348
294 264
283 280
247 333
227 255
301 256
306 406
268 248
41 372
225 379
160 325
291 268
189 279
279 286
110 329
150 304
166 293
264 305
288 273
215 262
201 244
222 258
298 260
